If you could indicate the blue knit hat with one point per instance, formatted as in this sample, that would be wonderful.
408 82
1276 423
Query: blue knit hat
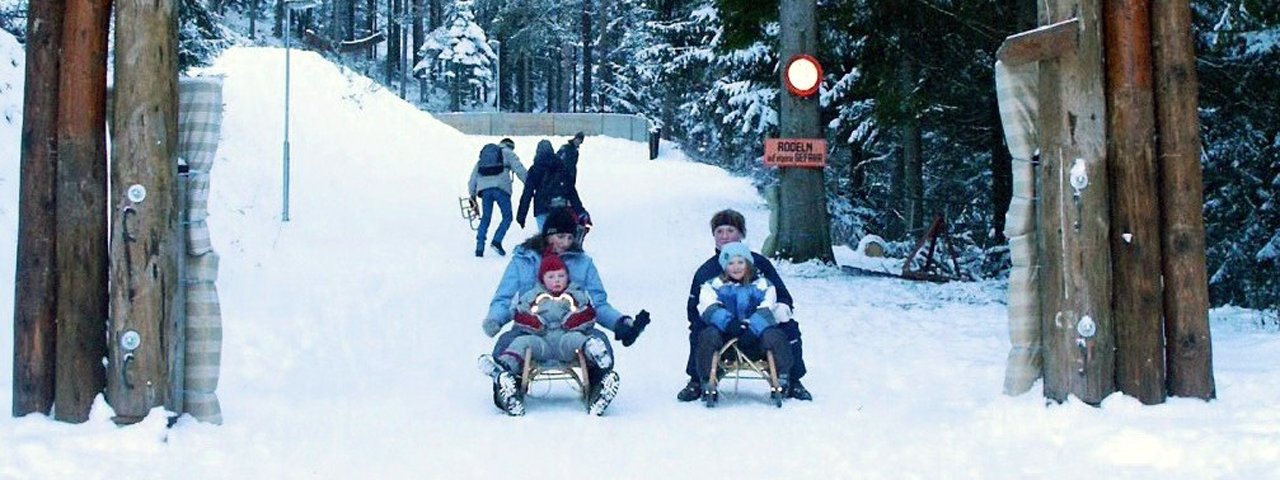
735 249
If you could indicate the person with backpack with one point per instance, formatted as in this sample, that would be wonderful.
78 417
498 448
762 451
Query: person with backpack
491 181
550 185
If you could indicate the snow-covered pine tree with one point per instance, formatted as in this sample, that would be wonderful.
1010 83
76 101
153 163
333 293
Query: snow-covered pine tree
1240 115
460 48
201 34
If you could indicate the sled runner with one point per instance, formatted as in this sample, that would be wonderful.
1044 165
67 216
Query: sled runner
731 362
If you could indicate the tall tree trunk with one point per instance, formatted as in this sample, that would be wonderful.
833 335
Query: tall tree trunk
1001 174
1135 218
526 83
1072 248
371 22
82 209
349 18
436 16
35 281
588 11
1186 294
143 245
278 30
803 225
419 34
553 83
394 47
255 6
913 173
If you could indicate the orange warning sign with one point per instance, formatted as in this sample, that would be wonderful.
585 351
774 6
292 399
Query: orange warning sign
795 152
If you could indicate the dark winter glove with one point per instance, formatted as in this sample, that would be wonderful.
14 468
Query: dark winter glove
490 326
528 321
628 330
582 319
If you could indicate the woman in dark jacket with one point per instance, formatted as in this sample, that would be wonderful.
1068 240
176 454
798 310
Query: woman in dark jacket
549 184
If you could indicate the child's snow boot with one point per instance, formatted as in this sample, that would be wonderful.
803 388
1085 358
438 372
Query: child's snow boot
602 392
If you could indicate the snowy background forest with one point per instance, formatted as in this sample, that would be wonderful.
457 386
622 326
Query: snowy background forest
907 99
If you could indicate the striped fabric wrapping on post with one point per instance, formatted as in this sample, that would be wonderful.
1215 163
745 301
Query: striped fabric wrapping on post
199 126
1016 91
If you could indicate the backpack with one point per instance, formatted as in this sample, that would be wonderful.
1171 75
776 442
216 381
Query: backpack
490 160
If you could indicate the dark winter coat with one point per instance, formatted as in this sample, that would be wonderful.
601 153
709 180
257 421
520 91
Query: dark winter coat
568 154
548 184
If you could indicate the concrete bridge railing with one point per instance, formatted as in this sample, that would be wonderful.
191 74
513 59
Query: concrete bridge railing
617 125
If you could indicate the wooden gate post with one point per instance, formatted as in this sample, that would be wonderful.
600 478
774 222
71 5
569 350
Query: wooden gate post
1186 293
35 284
1135 230
143 217
1075 270
82 210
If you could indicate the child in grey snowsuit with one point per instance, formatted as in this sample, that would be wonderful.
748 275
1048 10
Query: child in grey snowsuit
556 319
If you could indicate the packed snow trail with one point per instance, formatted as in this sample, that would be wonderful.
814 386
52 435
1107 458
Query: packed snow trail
351 334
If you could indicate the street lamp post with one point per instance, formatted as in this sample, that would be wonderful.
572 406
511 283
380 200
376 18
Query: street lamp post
289 7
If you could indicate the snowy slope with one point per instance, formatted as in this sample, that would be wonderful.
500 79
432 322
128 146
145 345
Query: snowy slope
351 333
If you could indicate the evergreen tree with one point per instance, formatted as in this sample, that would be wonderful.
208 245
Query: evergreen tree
1239 46
460 48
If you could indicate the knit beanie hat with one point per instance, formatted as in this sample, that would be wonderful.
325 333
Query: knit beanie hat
734 249
560 220
731 218
550 263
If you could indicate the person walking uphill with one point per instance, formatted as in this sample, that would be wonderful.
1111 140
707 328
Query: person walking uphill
491 181
549 185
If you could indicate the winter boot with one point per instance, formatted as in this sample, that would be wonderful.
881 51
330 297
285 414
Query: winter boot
497 247
798 391
509 397
709 395
602 392
691 391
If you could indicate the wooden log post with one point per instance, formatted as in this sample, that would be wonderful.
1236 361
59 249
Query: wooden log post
1075 273
82 209
1135 219
35 283
143 218
1188 351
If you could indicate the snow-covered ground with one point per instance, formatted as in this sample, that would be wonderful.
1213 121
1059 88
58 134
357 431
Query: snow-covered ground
351 333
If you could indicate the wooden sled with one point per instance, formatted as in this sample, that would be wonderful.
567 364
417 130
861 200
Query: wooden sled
574 372
731 362
470 211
